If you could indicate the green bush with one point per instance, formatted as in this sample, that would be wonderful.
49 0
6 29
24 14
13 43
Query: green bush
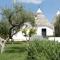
44 50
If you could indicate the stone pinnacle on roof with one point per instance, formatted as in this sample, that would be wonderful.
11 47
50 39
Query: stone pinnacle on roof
58 12
39 11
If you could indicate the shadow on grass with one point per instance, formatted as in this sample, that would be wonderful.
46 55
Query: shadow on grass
15 49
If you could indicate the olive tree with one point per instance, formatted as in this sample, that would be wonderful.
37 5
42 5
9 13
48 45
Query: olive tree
16 17
12 21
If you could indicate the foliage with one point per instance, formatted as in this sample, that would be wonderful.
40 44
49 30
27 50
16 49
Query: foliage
29 32
16 18
32 32
24 31
57 26
4 28
37 50
18 15
44 50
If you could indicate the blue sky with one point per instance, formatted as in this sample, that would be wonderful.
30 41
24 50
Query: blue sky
49 7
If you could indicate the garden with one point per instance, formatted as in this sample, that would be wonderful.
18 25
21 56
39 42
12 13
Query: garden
33 50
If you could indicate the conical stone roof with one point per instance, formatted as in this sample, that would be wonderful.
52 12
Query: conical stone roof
41 19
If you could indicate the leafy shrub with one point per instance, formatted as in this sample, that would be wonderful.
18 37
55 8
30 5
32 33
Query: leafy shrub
44 50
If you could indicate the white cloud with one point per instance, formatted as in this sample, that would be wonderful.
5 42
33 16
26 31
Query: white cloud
30 1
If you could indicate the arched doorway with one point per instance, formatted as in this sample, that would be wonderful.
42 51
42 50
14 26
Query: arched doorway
44 32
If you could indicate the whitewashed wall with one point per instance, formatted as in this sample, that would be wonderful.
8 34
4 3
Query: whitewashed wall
49 31
54 39
19 37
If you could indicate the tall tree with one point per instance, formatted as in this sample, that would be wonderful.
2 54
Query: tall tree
16 17
57 26
4 28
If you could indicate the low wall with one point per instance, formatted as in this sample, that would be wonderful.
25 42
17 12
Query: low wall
54 39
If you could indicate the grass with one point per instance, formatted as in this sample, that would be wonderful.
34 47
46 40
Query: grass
38 50
15 52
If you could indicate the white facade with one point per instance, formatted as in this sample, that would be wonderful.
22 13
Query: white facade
49 31
54 39
44 28
19 37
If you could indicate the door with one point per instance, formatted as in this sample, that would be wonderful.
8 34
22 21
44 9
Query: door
44 32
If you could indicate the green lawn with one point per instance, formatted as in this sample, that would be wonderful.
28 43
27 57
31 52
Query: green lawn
15 52
38 50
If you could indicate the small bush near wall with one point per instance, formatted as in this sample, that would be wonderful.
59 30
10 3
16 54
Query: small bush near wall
44 50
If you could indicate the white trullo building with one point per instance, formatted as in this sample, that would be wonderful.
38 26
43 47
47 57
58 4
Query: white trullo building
44 28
